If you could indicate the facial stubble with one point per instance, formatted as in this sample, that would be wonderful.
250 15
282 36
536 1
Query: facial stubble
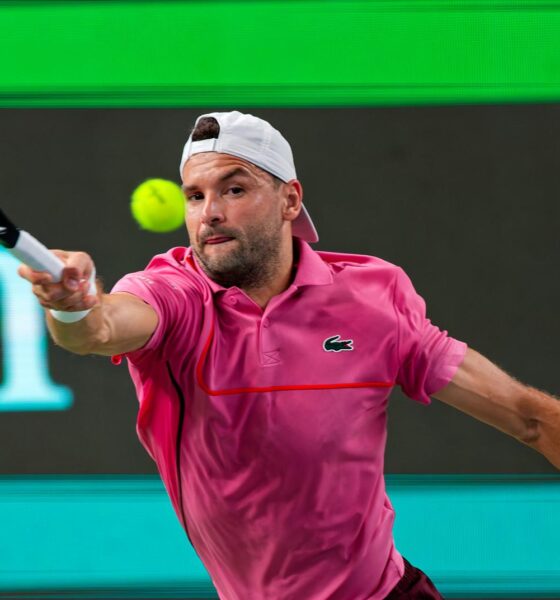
253 262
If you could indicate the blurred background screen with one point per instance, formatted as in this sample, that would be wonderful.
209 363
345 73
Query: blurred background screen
424 132
462 197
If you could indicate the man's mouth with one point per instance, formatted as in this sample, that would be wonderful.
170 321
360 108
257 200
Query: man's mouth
219 239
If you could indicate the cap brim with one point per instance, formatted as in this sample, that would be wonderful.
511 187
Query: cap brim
303 227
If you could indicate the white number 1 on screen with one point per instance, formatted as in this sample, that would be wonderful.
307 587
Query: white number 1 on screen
26 384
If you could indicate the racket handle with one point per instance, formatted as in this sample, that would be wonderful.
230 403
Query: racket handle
31 252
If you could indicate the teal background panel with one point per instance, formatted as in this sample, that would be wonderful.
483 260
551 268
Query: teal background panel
476 536
481 535
91 531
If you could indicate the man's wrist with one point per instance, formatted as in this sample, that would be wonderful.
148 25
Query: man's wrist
65 316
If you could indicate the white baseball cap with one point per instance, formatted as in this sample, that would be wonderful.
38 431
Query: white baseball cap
256 141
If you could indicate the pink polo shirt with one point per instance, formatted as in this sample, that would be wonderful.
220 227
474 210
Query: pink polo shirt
268 427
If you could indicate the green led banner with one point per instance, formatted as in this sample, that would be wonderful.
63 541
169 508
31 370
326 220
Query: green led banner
277 53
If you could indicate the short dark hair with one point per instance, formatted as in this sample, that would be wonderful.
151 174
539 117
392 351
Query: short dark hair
208 128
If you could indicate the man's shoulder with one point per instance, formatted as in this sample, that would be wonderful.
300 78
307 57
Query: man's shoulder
170 269
339 261
174 258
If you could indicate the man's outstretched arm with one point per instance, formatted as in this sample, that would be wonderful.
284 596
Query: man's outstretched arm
117 323
482 390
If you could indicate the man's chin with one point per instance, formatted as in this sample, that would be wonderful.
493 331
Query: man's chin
216 265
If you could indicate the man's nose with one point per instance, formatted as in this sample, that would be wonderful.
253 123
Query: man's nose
213 210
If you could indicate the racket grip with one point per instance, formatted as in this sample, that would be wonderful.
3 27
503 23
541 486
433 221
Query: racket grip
31 252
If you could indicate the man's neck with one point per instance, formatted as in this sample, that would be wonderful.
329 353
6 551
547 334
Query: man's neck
263 295
279 283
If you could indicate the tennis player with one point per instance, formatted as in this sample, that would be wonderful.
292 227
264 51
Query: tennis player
263 370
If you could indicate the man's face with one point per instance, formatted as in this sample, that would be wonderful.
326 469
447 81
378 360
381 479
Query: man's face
234 219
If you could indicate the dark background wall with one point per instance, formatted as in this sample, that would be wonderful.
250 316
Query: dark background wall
464 198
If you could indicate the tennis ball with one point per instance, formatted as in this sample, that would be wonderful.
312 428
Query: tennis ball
158 205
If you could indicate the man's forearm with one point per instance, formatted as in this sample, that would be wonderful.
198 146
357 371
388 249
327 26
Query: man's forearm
483 390
80 337
119 323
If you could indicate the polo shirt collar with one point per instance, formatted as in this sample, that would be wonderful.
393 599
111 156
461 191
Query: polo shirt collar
310 268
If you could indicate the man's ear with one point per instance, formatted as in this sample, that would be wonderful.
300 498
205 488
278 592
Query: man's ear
293 196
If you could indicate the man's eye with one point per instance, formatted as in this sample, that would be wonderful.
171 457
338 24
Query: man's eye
196 196
236 190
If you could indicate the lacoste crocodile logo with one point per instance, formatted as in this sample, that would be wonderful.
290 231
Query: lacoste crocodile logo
335 344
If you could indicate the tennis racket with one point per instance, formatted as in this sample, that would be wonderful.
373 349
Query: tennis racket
28 249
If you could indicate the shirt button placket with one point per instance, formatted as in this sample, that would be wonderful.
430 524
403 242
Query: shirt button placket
269 351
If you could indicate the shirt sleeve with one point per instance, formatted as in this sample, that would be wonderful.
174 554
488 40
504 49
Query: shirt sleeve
176 307
427 357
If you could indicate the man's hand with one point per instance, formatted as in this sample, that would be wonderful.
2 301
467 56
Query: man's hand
118 323
72 293
482 390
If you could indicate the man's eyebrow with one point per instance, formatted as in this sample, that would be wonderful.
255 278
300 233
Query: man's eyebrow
233 173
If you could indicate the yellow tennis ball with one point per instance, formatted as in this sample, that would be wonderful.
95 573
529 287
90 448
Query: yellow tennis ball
158 205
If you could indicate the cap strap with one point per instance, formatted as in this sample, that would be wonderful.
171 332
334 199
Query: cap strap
204 146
